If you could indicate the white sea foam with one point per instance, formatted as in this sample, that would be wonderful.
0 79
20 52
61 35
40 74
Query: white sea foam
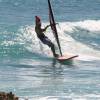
89 25
68 44
69 97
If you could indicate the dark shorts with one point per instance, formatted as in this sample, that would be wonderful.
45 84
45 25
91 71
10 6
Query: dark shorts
46 41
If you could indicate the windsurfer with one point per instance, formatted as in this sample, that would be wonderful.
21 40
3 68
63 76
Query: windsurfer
40 34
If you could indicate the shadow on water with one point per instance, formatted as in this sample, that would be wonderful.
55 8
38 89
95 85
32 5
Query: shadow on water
67 63
31 63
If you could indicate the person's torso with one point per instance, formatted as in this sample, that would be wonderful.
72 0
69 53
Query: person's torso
39 32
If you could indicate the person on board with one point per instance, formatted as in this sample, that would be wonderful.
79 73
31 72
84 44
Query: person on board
40 34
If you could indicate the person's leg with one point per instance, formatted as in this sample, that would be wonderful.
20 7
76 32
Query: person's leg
51 45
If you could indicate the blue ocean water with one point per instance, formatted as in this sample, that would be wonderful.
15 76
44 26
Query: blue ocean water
26 65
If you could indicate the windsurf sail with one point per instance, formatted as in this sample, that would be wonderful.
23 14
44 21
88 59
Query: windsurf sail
53 26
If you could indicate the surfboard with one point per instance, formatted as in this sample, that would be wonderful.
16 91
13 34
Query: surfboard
66 57
54 30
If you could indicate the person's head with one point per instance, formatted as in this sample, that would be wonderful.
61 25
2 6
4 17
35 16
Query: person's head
37 21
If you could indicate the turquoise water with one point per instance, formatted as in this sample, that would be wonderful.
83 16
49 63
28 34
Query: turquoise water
26 65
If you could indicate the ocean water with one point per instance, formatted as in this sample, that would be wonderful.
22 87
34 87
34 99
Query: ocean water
27 67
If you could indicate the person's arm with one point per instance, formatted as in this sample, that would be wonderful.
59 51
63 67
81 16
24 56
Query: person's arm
45 28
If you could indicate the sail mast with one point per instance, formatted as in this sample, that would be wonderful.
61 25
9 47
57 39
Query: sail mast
53 26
